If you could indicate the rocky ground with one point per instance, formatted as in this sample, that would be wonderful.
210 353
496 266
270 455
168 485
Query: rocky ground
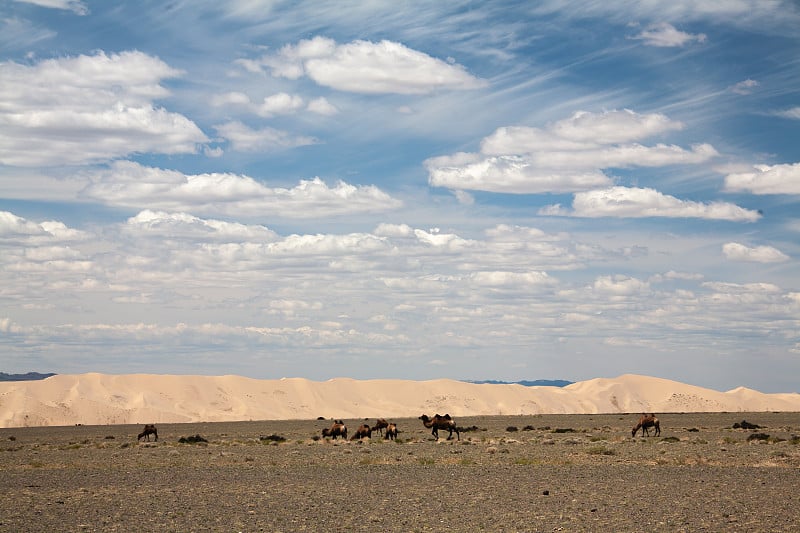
514 473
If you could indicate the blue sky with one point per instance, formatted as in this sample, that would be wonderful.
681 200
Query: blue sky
471 190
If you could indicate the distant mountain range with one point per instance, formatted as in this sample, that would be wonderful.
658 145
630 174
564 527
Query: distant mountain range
527 383
33 376
30 376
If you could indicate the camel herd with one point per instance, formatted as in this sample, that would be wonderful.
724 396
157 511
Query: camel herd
388 430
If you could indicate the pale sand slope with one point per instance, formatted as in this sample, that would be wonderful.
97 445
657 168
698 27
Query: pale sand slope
148 398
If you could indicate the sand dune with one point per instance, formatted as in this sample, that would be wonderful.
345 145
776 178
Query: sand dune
142 398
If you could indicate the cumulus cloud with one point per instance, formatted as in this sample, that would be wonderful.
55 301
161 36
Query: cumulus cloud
766 179
15 228
634 202
759 254
160 224
130 184
619 286
511 174
322 106
242 138
86 109
270 106
666 35
566 156
365 67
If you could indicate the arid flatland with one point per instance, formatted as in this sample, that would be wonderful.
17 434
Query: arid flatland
506 473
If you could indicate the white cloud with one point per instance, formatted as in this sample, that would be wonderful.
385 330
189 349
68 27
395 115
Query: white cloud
367 67
619 286
793 113
15 228
511 280
76 6
766 179
759 254
615 126
745 87
161 224
666 35
130 184
270 106
566 156
242 138
231 98
279 104
85 109
322 106
633 202
511 174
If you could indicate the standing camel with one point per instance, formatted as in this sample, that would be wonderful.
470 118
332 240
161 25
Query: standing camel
440 422
149 429
647 421
337 429
380 425
363 431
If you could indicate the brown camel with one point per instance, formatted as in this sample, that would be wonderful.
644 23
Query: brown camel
440 422
391 431
363 431
645 422
338 429
380 425
149 429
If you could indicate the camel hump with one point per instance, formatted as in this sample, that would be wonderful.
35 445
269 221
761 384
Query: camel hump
447 416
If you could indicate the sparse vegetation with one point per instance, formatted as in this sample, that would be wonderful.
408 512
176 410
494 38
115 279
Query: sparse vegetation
287 470
600 450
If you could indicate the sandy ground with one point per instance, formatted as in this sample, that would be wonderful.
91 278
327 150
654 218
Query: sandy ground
553 473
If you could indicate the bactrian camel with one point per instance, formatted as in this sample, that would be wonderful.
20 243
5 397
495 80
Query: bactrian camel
645 422
338 429
440 422
380 425
149 429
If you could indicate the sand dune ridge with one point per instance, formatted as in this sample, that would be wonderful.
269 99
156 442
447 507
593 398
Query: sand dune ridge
95 398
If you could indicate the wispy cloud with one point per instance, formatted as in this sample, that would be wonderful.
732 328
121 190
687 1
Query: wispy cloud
76 6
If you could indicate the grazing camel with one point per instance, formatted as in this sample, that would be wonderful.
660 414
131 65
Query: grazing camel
440 422
391 431
647 421
149 429
380 425
338 429
363 431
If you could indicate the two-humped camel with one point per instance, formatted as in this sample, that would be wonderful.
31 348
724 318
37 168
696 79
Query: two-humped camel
149 429
647 421
363 431
338 429
380 425
440 422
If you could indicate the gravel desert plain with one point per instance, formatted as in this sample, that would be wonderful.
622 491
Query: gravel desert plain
505 473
